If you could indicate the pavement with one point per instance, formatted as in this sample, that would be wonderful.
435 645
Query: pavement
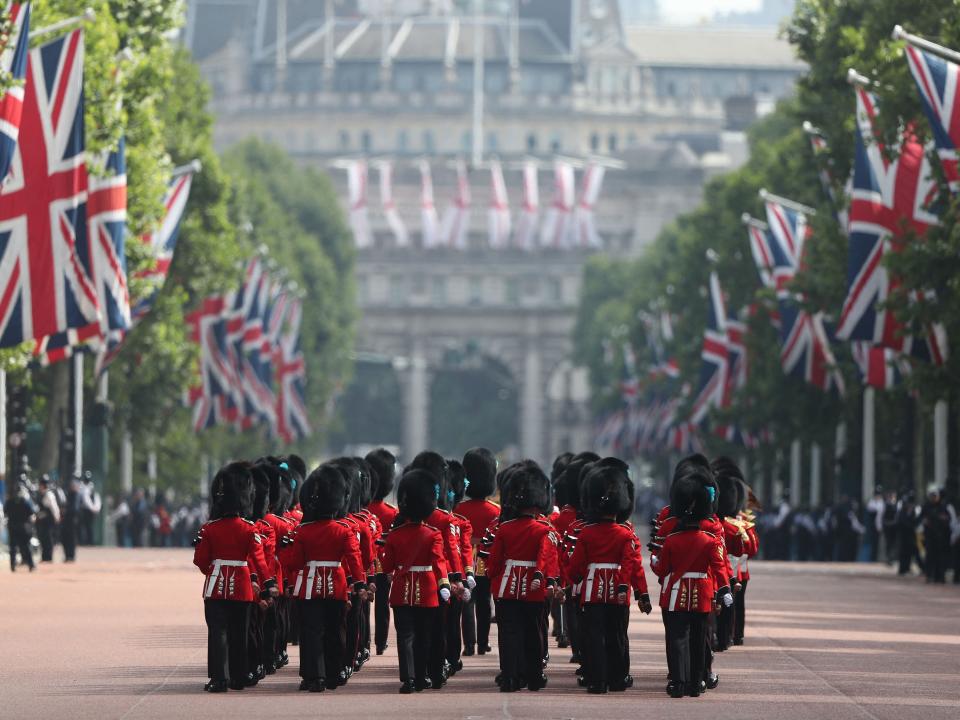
120 634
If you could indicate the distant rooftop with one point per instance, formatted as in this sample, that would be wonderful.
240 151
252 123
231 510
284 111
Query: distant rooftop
711 46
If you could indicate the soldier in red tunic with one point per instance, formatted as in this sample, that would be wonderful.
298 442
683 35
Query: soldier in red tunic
383 465
224 550
480 470
689 561
464 533
414 553
524 570
276 619
372 525
261 496
324 557
556 609
606 560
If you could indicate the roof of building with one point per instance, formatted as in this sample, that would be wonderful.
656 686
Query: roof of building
712 47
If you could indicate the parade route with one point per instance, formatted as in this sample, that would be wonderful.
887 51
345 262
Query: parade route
120 634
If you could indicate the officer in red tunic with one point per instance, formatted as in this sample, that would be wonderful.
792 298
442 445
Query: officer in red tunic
480 470
261 496
523 567
606 560
383 464
687 564
224 550
275 625
372 525
324 557
464 533
735 539
414 554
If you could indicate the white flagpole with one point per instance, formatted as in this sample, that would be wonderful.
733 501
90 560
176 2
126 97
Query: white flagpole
87 16
940 449
924 44
78 411
795 470
786 202
869 459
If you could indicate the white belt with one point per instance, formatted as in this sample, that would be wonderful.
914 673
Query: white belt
737 562
420 568
311 576
591 572
511 564
676 585
215 573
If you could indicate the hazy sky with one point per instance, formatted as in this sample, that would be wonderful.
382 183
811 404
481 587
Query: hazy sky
686 11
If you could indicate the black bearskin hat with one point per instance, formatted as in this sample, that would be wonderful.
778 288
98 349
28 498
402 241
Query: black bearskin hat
604 489
743 495
458 483
232 491
559 463
261 492
383 464
281 484
298 471
528 488
417 495
693 492
354 477
728 477
434 464
627 512
568 485
367 481
324 494
480 468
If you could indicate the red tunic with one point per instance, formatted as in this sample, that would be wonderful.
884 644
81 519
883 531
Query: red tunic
480 514
365 538
525 549
224 552
414 553
325 559
294 515
566 517
465 535
385 512
687 561
605 558
269 542
443 521
281 528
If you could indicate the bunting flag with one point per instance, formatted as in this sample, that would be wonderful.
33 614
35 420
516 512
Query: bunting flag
13 63
936 80
881 368
888 194
789 228
714 356
526 234
499 215
46 289
428 210
555 230
103 259
293 422
359 206
585 220
389 205
456 221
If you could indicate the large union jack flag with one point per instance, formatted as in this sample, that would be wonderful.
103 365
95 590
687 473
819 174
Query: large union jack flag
45 289
212 399
888 196
13 60
293 421
879 367
936 79
714 357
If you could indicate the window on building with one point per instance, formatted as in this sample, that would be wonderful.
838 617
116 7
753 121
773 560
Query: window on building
512 291
438 290
344 141
366 141
402 141
531 285
531 142
429 144
556 144
595 142
612 143
476 290
554 290
397 290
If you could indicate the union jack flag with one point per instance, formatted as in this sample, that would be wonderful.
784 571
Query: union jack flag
714 355
936 80
103 258
293 422
587 235
879 367
887 195
790 230
212 399
45 287
13 60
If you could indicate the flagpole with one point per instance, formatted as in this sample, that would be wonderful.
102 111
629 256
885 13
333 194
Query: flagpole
796 463
194 166
940 448
88 15
855 78
869 459
78 412
816 483
786 202
946 53
750 221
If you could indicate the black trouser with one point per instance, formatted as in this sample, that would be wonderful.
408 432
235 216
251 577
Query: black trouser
890 543
293 623
724 625
438 644
454 640
255 638
45 534
352 625
709 630
226 639
20 541
365 625
604 639
521 639
476 615
283 623
625 625
740 611
686 642
68 537
322 638
545 628
571 610
936 560
415 631
381 611
907 551
271 630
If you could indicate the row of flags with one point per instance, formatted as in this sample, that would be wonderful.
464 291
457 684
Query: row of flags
568 222
62 228
252 370
891 190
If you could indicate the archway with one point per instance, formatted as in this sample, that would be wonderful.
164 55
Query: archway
370 410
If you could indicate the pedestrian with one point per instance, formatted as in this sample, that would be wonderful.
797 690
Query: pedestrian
120 517
935 520
48 518
907 522
139 517
21 513
384 467
888 526
90 507
414 553
70 525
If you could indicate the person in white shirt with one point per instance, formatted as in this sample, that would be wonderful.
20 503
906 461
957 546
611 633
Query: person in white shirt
48 518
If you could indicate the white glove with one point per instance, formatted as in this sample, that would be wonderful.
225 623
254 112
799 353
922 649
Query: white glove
471 582
466 595
445 594
654 560
727 599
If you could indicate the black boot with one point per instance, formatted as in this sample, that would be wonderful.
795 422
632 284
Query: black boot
216 686
407 688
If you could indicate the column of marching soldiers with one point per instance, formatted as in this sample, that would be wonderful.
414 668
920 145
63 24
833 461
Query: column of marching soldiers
291 557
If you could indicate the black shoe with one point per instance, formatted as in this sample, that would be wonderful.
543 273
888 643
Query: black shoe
283 660
537 683
509 685
420 685
712 681
581 681
407 688
237 686
216 686
483 649
738 641
576 659
251 680
693 689
579 671
437 683
364 655
304 685
269 668
498 679
675 689
563 642
317 686
622 685
468 651
456 667
597 689
380 649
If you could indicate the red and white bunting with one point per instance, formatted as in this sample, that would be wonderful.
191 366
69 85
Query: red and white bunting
586 225
556 229
389 205
526 235
359 206
428 210
456 221
500 225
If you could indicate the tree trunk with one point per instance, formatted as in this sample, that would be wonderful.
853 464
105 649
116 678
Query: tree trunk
58 405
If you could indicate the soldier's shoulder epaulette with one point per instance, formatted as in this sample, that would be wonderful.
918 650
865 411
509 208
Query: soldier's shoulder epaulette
339 521
211 522
459 516
504 523
430 527
249 522
392 507
495 504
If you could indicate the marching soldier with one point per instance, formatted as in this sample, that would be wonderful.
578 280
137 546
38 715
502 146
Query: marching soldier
383 465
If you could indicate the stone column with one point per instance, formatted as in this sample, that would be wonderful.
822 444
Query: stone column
416 402
532 401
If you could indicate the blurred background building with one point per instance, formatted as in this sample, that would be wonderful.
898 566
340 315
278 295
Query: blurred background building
664 106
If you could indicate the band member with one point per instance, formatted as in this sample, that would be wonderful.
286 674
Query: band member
223 552
276 616
687 564
735 538
606 561
480 470
414 553
383 465
372 524
523 571
324 556
458 606
556 472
